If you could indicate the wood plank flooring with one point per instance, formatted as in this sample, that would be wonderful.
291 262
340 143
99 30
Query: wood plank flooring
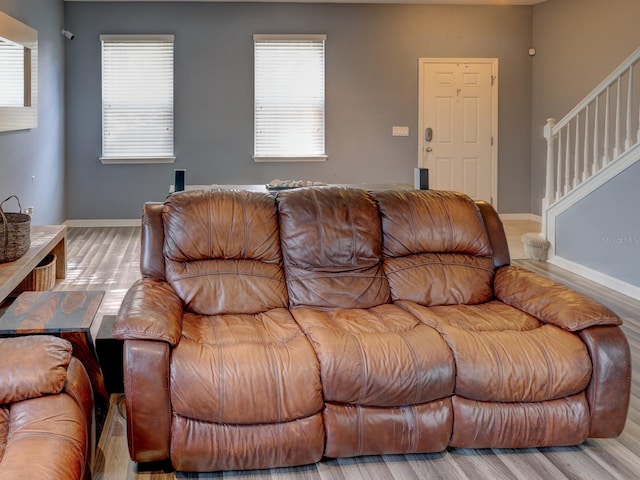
107 259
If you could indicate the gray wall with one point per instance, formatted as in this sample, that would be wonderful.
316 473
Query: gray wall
371 84
579 43
39 152
590 235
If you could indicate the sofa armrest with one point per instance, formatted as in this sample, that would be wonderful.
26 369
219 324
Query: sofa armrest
146 386
32 366
609 391
549 301
151 310
78 386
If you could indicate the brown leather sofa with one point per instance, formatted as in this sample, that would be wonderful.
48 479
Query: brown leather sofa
46 411
338 322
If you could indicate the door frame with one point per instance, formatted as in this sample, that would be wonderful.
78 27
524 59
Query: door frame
422 62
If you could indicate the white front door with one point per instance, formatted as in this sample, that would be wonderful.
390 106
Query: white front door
458 125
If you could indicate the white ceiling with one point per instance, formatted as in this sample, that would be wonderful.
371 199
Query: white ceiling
430 2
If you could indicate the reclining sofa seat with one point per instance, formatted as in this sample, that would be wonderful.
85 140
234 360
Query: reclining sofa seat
234 383
387 379
533 368
345 323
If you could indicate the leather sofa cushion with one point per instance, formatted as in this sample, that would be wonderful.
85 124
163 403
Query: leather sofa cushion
560 422
487 317
44 437
215 286
440 278
431 221
380 357
354 430
134 322
542 364
331 246
32 366
549 301
222 251
506 365
244 369
198 446
436 248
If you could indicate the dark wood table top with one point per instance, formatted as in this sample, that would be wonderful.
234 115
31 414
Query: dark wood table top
51 312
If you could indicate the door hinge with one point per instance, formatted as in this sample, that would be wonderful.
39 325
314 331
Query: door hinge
492 141
493 79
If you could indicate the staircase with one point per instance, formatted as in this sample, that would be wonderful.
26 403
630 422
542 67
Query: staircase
593 143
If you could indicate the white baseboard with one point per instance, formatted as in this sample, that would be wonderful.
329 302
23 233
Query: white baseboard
124 222
598 277
520 216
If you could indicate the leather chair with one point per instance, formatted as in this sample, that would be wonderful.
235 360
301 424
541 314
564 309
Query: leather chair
46 411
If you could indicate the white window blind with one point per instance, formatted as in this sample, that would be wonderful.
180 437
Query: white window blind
289 108
137 97
12 71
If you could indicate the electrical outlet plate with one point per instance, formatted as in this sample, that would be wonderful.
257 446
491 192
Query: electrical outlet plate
400 131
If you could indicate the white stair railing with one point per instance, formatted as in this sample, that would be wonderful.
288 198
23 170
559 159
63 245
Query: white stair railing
598 131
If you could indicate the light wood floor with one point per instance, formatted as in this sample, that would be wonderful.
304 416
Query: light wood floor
107 259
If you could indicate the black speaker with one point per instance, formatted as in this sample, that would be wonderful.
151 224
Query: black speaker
109 352
421 178
178 181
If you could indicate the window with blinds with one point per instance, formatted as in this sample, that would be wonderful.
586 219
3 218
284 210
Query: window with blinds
137 98
12 72
289 101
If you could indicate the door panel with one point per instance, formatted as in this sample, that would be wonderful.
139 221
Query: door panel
443 176
471 119
443 121
471 174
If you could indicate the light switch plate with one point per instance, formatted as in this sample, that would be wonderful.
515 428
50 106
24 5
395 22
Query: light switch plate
400 131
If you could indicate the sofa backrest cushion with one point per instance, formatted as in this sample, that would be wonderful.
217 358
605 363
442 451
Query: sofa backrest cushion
436 248
32 366
331 248
222 251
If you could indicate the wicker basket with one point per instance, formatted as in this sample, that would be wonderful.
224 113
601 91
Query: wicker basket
40 279
15 233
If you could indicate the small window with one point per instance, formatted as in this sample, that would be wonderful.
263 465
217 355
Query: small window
289 103
137 98
12 74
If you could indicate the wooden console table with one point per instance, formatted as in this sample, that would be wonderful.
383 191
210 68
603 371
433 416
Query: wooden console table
45 239
371 187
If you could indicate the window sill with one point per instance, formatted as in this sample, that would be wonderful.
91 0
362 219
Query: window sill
310 158
135 160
